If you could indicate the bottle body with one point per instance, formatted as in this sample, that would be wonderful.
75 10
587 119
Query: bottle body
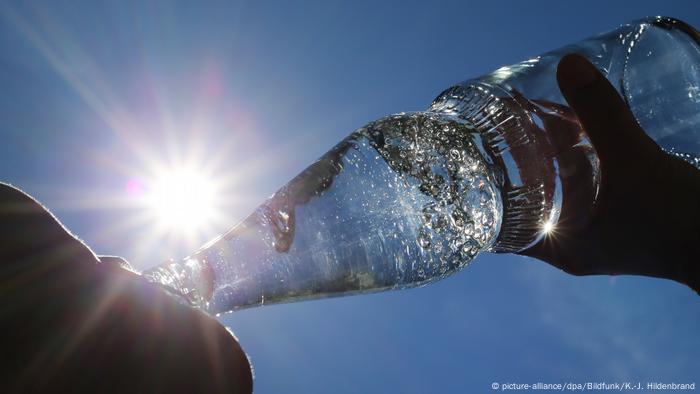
654 64
412 198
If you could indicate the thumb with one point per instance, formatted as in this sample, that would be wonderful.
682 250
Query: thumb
605 117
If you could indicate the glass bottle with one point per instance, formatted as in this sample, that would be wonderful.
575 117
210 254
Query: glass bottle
414 197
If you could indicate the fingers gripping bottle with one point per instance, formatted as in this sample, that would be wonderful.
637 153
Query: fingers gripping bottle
414 197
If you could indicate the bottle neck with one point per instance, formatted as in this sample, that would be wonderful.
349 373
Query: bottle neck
190 280
528 140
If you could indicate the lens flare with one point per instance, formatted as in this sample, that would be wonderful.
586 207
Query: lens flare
548 228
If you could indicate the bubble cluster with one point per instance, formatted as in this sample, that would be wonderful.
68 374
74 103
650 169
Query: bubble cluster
441 157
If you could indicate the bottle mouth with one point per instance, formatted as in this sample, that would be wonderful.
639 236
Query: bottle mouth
531 188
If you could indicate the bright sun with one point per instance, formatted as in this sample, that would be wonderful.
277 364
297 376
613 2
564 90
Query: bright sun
182 200
180 206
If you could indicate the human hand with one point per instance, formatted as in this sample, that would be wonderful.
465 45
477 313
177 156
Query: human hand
646 219
75 322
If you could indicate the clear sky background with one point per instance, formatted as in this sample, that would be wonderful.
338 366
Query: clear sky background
96 95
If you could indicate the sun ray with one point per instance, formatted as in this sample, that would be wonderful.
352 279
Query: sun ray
79 70
161 143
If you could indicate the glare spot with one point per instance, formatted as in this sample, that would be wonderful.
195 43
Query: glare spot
548 227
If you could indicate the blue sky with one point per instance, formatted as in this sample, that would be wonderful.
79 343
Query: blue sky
94 94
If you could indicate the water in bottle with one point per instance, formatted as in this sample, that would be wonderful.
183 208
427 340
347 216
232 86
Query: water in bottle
414 197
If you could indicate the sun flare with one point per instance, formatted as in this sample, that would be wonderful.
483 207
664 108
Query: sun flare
548 228
183 200
177 207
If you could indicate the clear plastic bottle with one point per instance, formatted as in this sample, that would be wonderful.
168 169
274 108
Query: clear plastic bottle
412 198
